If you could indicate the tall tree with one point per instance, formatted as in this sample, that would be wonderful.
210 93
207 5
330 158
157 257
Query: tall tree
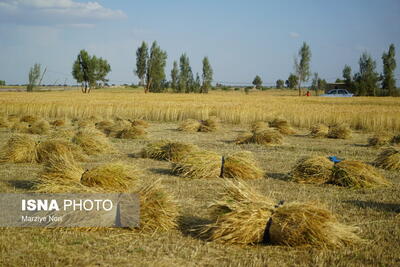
257 82
314 83
184 74
280 84
174 76
197 84
207 75
302 65
322 84
155 74
292 81
142 55
389 66
347 76
89 70
366 81
34 76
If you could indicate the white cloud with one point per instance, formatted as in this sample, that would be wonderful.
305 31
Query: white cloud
55 12
294 34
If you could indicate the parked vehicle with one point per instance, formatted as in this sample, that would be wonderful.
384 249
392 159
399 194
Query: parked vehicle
338 93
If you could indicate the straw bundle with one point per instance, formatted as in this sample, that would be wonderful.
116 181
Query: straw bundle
63 134
139 122
340 131
4 123
395 140
389 159
198 164
92 141
20 149
356 174
13 118
168 150
282 126
258 126
20 127
132 132
112 177
102 125
250 218
158 209
57 147
190 125
29 119
319 130
58 123
84 123
241 165
379 139
267 137
312 170
39 127
210 125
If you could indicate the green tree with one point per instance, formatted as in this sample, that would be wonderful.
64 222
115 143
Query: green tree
257 82
207 75
155 74
348 79
366 80
34 76
184 74
314 83
322 84
292 81
89 70
280 84
142 56
389 66
302 65
197 84
2 83
174 76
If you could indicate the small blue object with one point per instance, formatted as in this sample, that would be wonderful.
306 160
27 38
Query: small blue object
334 159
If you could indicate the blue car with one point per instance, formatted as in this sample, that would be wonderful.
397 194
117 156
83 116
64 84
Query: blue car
338 93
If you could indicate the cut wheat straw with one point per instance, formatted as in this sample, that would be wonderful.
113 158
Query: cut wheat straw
340 131
312 170
356 174
241 165
267 137
168 150
57 147
389 159
319 130
92 141
20 149
198 164
282 126
380 139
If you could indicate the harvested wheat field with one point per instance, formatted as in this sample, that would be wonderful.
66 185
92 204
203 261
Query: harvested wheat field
178 174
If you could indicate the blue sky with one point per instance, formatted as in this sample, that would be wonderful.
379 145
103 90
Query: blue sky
241 38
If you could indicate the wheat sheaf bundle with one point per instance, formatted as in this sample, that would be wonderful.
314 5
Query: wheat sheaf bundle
247 217
92 141
380 139
395 140
209 125
389 159
258 126
319 130
340 131
29 119
282 126
20 127
139 122
356 174
241 165
312 170
267 137
58 122
4 123
132 132
206 164
40 127
56 147
20 148
168 150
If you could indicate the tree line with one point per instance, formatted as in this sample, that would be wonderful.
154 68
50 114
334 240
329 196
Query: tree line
91 72
150 69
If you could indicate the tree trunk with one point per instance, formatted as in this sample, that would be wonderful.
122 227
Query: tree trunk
299 88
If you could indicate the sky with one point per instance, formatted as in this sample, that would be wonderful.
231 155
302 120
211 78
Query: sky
241 38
